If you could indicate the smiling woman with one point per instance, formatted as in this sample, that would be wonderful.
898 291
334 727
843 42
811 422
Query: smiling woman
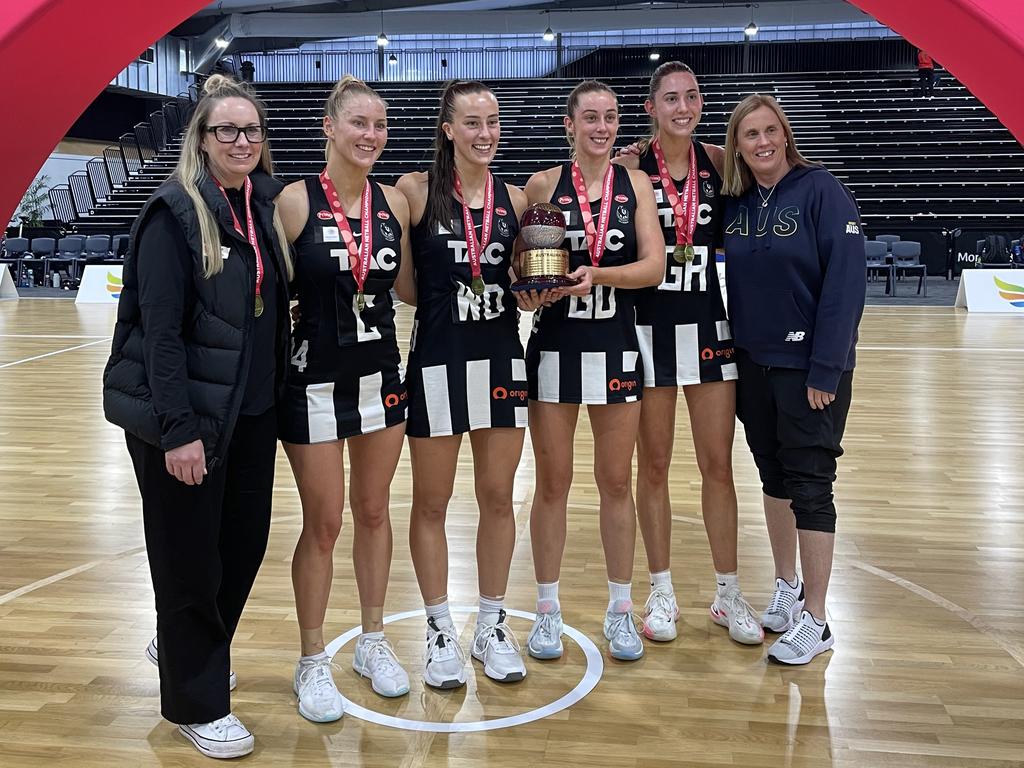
193 377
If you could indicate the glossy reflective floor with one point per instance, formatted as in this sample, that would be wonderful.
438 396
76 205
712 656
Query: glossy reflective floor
927 598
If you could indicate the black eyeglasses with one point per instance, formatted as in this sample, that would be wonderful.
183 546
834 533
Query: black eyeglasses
228 134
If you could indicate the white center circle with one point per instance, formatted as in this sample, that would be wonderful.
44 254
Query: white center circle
592 675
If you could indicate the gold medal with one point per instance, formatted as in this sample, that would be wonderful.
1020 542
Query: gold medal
360 301
688 252
259 306
478 286
679 254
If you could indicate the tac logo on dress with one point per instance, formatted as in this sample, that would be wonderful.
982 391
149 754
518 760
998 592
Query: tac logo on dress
503 229
324 215
621 213
386 233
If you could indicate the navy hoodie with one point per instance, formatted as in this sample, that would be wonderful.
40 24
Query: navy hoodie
795 275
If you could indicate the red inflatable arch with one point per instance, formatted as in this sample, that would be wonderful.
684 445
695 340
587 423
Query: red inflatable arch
57 55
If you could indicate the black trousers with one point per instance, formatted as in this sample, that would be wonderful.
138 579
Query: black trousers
205 544
795 447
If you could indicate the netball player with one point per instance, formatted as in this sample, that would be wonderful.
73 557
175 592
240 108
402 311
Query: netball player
467 375
686 342
584 351
346 386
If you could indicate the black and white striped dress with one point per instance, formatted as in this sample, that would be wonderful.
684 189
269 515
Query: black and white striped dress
584 349
466 366
681 324
345 376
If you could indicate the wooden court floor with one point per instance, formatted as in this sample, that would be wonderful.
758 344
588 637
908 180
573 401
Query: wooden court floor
927 597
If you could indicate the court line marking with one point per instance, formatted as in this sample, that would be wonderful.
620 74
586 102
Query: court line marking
872 348
1014 650
16 593
57 352
48 336
591 677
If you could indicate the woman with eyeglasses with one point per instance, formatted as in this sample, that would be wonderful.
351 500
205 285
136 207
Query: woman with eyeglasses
198 362
345 390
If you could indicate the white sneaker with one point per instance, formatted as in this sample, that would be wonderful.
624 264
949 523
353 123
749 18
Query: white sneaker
545 638
496 647
731 610
319 700
444 661
784 609
154 658
660 615
376 660
222 738
803 642
624 641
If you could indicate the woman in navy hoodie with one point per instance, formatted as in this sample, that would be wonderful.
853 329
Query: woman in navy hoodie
795 283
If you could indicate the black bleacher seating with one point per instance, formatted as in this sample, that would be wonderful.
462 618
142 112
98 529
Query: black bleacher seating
912 163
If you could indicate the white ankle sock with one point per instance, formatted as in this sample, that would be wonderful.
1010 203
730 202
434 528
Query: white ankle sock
662 579
369 637
440 613
547 593
313 659
490 610
726 580
618 593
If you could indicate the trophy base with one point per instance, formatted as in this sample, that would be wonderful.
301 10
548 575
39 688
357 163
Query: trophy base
543 282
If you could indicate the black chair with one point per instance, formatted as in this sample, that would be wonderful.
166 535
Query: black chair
888 240
906 257
68 251
15 250
97 250
43 249
119 246
875 252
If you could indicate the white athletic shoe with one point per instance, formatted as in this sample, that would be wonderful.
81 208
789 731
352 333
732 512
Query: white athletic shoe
732 611
444 661
319 700
376 660
222 738
154 658
624 642
545 638
784 609
660 615
496 647
805 640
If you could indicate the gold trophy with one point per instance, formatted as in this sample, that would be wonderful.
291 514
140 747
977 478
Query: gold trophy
543 262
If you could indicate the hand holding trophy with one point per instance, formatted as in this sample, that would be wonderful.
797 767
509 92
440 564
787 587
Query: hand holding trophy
543 263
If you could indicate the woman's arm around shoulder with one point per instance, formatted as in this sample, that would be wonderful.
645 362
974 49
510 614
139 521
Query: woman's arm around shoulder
405 282
415 188
293 208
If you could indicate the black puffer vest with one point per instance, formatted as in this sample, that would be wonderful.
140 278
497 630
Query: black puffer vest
216 329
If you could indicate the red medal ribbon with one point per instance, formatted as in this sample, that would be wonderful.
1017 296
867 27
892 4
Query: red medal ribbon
685 210
358 257
250 228
595 236
473 246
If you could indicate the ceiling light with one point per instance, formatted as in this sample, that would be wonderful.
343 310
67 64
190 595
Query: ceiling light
220 42
654 55
750 30
392 59
549 35
382 39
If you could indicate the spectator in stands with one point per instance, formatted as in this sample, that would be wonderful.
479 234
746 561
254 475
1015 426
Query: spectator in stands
584 351
686 343
351 238
199 356
925 72
465 222
796 295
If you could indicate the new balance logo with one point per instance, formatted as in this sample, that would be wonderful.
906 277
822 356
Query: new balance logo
852 228
795 336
